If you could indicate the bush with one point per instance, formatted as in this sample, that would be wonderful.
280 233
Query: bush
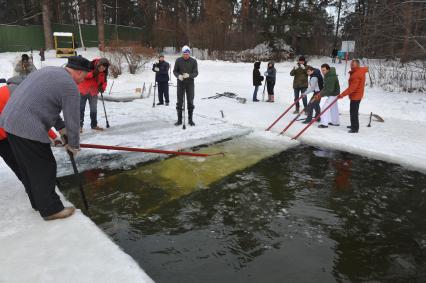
134 54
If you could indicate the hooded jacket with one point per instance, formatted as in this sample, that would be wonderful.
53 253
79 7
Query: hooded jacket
94 82
331 83
300 76
257 78
271 73
356 86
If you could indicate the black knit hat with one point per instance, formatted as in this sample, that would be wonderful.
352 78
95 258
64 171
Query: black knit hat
78 63
302 58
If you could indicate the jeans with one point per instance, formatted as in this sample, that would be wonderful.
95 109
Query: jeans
93 104
163 92
313 105
354 111
256 88
300 90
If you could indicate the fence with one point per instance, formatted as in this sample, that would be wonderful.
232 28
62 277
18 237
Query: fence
24 38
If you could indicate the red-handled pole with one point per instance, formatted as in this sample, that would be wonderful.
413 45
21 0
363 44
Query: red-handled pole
315 119
292 121
285 112
133 149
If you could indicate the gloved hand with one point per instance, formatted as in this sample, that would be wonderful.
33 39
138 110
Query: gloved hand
318 97
296 67
57 142
266 74
156 69
185 75
302 66
64 137
74 151
100 89
340 96
180 77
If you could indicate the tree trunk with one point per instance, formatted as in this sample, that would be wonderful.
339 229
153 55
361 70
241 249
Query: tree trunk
100 23
47 26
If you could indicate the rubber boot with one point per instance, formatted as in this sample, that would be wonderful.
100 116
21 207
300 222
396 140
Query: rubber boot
190 121
179 121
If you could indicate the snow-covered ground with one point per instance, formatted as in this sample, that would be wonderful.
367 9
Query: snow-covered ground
59 249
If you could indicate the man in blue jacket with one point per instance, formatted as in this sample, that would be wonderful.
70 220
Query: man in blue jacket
161 70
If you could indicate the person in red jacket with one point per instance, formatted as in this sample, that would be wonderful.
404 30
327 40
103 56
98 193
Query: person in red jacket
355 91
95 82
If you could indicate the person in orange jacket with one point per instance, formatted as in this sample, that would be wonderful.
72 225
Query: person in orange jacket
94 83
355 91
5 150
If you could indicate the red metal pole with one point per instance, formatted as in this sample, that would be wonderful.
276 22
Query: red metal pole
285 112
292 121
315 119
132 149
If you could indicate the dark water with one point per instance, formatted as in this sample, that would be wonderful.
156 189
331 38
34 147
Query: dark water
304 215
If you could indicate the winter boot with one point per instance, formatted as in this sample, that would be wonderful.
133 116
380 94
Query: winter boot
190 121
269 99
179 121
272 99
296 111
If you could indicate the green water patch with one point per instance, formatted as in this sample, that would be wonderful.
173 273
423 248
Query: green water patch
157 183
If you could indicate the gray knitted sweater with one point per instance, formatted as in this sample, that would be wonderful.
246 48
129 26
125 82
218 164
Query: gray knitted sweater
37 102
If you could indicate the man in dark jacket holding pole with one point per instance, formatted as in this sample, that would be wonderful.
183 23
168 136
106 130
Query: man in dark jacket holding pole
185 70
33 109
161 70
300 82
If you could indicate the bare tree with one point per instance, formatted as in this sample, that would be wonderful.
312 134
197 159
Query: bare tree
47 25
100 24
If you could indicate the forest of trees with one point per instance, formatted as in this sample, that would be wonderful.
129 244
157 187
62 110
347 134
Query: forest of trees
381 28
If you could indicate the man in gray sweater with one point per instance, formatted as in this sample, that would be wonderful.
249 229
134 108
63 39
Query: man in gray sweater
185 71
34 108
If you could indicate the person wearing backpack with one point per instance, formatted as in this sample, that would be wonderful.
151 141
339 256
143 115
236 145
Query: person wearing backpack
316 84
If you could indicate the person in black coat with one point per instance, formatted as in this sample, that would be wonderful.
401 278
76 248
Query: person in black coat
162 78
257 80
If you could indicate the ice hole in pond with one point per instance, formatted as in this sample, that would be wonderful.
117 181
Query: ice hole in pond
264 214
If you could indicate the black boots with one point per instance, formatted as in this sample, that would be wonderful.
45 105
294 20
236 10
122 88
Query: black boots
179 121
190 121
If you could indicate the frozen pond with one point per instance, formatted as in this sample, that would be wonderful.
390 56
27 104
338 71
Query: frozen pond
264 215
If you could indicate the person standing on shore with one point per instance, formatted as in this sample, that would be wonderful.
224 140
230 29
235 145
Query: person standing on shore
300 82
31 111
185 70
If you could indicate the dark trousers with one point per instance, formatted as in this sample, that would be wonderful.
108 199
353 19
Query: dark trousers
8 157
297 92
313 105
270 86
188 89
163 92
93 104
354 111
38 170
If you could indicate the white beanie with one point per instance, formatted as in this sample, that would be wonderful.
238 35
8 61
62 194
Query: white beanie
186 49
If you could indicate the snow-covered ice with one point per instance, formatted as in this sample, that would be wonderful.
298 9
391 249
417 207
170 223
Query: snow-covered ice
76 247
